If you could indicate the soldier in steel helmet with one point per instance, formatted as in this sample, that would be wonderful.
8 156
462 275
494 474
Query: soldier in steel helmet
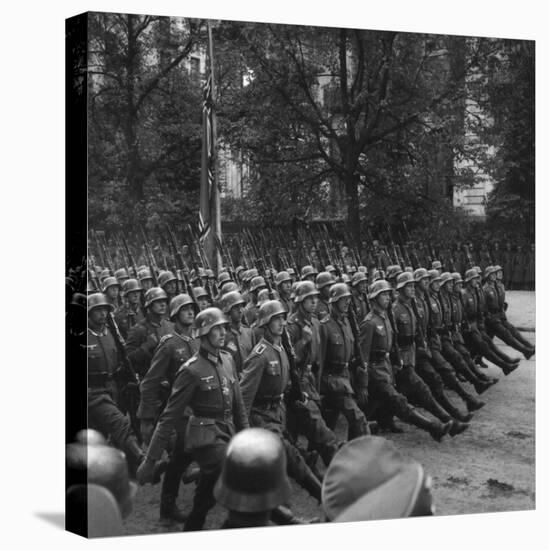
131 312
407 380
111 289
202 298
103 362
431 365
359 288
239 341
337 349
283 283
304 330
145 336
208 384
252 309
324 281
167 281
265 379
308 273
172 352
376 340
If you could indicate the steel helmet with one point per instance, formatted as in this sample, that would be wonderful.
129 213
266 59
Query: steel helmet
154 295
91 287
291 271
358 277
231 286
253 478
200 292
409 268
180 301
262 296
209 273
268 310
471 274
338 290
90 437
378 287
393 271
98 300
446 277
489 270
121 274
305 289
110 281
131 285
231 299
434 274
144 274
282 277
207 319
436 264
257 283
420 273
498 268
378 274
457 277
165 277
363 268
253 273
330 268
245 277
351 269
104 274
308 270
477 269
238 269
345 278
224 277
404 279
324 278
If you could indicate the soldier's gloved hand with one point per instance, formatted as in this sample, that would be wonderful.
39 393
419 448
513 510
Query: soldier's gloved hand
145 471
147 429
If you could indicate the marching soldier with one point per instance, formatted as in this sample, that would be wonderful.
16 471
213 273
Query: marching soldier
111 289
251 311
283 283
376 339
336 351
145 278
103 362
324 281
239 340
208 384
167 281
146 335
308 273
359 284
202 298
172 352
130 313
265 378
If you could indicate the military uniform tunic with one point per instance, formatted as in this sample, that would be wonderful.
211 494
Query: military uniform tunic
126 318
239 343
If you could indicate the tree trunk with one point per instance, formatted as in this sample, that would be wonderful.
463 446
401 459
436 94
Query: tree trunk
353 219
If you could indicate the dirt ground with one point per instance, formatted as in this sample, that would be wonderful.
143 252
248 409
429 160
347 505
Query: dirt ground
489 468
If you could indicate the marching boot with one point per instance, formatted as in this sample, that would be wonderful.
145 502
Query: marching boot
508 368
437 410
481 386
442 398
388 424
437 430
168 494
134 455
530 352
458 427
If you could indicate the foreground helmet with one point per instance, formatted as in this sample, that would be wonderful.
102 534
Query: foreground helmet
471 274
338 291
305 289
154 295
257 283
230 300
282 277
98 300
358 277
268 310
404 279
308 270
254 477
378 287
207 319
420 273
108 282
131 285
165 277
180 301
324 278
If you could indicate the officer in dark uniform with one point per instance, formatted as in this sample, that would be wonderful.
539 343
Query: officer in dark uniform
337 348
103 361
239 341
265 379
376 340
144 337
324 281
208 384
173 350
130 313
304 331
493 318
407 380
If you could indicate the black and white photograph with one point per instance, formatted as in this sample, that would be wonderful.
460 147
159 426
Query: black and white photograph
300 282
